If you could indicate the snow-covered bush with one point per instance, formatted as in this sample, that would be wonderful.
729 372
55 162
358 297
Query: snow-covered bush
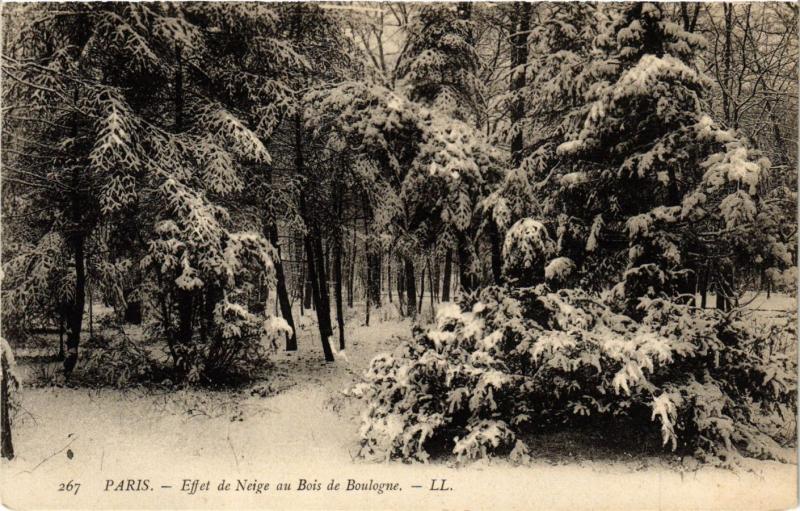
526 248
698 381
116 360
237 351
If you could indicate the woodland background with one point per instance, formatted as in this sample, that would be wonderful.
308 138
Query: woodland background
192 189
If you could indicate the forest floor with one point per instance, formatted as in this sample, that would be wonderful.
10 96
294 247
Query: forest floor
298 424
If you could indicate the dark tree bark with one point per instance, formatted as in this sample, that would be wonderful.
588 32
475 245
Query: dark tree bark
283 292
61 329
519 59
723 290
389 277
465 278
421 290
448 270
689 19
5 417
184 298
497 256
411 291
337 277
314 254
315 292
436 270
76 239
337 271
368 273
352 270
308 302
374 269
400 286
431 286
324 305
704 287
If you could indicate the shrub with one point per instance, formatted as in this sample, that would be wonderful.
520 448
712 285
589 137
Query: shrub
235 351
114 359
521 359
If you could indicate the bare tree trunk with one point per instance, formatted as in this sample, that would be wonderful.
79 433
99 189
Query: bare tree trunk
374 280
91 314
368 273
315 292
421 290
726 60
411 292
314 254
465 278
324 305
435 273
400 284
76 240
704 287
337 276
308 302
497 257
61 321
448 269
389 277
432 287
337 269
283 293
5 416
352 270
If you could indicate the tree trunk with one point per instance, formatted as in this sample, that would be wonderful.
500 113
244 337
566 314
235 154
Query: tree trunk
448 269
314 254
283 293
704 287
389 277
315 293
91 314
337 277
432 286
519 59
497 257
61 334
436 271
76 238
324 305
411 292
308 302
726 72
337 269
465 277
352 270
400 285
75 313
421 290
5 417
368 273
722 300
374 280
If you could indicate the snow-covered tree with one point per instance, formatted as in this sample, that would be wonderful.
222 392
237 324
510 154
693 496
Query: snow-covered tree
616 144
425 169
171 142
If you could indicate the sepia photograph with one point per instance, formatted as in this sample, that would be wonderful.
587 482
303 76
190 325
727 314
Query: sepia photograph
399 255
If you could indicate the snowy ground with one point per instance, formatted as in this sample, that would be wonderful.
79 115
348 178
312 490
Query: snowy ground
299 425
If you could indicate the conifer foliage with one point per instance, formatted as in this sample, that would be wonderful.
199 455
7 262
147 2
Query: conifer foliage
566 181
625 188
